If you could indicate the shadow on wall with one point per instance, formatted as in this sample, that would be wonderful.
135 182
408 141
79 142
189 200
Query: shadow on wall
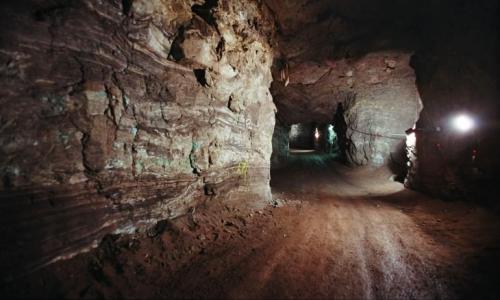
398 162
280 141
341 131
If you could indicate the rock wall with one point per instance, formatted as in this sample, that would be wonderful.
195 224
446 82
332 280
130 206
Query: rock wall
361 60
379 99
384 105
116 114
302 136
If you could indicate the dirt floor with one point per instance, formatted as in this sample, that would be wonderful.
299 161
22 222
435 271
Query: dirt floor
334 232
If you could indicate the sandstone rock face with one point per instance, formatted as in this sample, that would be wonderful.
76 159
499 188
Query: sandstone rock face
384 105
333 52
302 136
321 44
116 114
378 94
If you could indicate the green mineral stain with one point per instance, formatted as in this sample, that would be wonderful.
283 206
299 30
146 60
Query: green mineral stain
126 101
57 103
96 95
139 167
163 162
195 146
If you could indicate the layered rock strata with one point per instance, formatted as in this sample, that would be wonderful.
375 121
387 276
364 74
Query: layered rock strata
116 114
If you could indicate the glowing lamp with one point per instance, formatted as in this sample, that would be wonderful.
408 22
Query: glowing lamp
463 123
316 133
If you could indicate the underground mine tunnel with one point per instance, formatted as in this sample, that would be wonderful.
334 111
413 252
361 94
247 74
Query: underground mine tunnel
255 149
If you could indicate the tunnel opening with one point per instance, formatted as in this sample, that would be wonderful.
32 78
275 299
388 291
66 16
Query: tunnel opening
293 143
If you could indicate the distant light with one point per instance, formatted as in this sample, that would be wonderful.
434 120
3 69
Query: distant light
463 123
316 133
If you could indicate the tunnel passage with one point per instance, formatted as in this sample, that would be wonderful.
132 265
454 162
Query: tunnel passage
373 103
375 100
302 139
117 115
313 136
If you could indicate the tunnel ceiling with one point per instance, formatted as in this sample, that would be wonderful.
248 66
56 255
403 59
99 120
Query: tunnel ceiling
323 47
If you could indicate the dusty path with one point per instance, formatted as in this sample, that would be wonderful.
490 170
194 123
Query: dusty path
348 243
344 234
357 235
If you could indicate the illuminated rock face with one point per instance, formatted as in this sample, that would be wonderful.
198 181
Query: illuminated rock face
379 100
384 104
116 114
359 65
358 54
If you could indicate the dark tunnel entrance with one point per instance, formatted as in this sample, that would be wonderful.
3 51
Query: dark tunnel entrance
318 140
313 137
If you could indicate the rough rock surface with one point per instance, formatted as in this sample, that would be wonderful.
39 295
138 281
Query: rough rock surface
302 136
384 105
116 114
359 61
378 94
455 46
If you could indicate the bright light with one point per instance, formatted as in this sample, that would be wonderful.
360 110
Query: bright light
316 133
463 123
411 140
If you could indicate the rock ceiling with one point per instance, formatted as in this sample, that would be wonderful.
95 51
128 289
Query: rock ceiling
321 45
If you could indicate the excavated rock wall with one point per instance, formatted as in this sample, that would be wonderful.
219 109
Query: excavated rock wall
384 105
116 114
456 48
302 136
379 100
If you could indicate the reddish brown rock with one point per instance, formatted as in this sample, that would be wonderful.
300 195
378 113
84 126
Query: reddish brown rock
117 114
